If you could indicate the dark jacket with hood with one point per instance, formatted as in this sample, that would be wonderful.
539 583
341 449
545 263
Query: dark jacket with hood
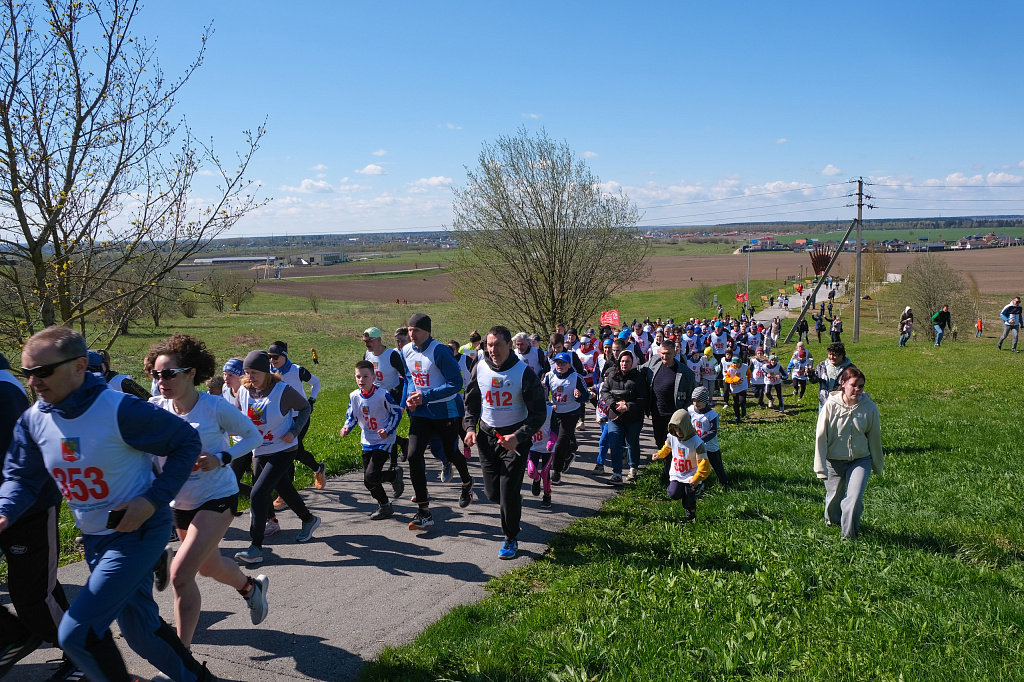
633 387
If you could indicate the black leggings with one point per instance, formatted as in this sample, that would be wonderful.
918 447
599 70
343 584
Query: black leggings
739 403
32 578
270 472
715 458
566 435
799 386
240 465
420 431
777 388
374 473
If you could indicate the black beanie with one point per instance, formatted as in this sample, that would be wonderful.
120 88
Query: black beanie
420 321
279 348
257 360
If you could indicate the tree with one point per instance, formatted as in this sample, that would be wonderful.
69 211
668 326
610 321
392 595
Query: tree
703 296
876 265
540 243
927 284
95 172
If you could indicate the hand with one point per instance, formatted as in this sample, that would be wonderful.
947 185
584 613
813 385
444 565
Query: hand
414 399
470 438
509 442
288 437
344 431
208 462
621 406
311 401
383 433
138 510
576 393
3 523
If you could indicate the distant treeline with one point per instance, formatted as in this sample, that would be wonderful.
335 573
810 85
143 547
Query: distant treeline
967 224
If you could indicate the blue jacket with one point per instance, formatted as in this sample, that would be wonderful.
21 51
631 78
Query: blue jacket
445 361
143 426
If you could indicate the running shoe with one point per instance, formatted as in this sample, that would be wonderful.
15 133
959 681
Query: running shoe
466 496
384 511
252 555
632 473
556 476
416 501
536 487
404 447
568 461
508 550
320 477
615 479
446 473
598 468
467 451
421 521
398 485
162 570
67 672
306 532
545 502
15 651
257 601
690 517
280 504
273 526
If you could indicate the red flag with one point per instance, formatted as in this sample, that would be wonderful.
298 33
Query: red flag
742 297
610 318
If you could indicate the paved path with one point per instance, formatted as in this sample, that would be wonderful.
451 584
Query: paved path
359 585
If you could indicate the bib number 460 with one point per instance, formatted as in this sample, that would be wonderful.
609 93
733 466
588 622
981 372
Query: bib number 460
76 484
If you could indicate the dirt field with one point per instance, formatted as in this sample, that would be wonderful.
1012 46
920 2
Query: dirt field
998 271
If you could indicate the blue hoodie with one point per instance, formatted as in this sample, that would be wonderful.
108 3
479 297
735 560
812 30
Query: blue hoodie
143 426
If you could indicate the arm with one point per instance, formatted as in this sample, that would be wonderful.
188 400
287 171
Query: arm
25 475
394 414
874 435
472 400
821 442
307 377
293 400
703 466
712 430
234 422
398 392
350 417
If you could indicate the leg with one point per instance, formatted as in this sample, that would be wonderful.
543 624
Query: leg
375 474
30 547
545 472
566 432
616 440
632 432
448 431
852 504
199 545
835 490
420 432
240 465
715 458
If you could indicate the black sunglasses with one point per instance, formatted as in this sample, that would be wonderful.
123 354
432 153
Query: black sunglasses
272 356
43 371
168 373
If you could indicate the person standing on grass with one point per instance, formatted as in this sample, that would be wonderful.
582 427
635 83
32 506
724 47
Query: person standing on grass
504 409
377 413
97 445
688 463
270 403
206 504
906 326
435 380
847 448
941 322
31 546
297 377
388 375
827 373
624 391
1011 314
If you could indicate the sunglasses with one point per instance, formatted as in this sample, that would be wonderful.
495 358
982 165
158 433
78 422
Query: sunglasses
273 357
168 373
43 371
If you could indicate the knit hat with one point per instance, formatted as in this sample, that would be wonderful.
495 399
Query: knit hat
607 342
278 348
700 393
95 361
736 361
708 351
234 366
420 321
258 360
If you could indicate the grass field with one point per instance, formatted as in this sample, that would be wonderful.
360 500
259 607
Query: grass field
946 234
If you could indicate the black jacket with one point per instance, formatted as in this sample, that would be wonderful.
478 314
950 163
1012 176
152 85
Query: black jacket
685 382
631 387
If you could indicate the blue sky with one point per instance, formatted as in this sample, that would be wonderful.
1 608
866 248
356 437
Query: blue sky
375 109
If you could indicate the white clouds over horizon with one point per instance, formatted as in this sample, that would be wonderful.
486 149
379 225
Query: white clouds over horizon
372 169
319 167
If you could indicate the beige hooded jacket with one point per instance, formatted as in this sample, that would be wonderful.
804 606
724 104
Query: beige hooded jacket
848 433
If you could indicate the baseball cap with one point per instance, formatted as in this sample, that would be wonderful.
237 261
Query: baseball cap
373 333
607 342
564 357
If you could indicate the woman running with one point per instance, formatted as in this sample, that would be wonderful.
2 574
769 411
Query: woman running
206 504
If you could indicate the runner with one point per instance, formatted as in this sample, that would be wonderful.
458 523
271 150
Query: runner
533 356
388 374
472 348
123 383
377 413
270 404
705 423
297 376
800 369
736 380
773 376
204 507
688 465
541 457
505 400
567 390
433 406
95 443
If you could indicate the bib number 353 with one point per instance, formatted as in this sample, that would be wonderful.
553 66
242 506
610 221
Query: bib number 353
81 485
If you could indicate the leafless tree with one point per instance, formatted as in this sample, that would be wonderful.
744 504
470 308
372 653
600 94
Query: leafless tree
315 300
703 296
927 284
95 168
540 243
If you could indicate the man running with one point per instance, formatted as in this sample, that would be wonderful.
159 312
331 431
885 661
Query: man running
97 444
505 399
1011 314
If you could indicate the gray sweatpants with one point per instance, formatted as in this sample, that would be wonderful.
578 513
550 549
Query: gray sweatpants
844 493
1007 330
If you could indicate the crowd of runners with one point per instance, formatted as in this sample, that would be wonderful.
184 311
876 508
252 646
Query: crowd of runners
130 469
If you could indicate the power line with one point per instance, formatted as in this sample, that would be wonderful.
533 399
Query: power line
765 215
743 196
927 199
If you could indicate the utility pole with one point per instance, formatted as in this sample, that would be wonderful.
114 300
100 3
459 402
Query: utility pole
856 305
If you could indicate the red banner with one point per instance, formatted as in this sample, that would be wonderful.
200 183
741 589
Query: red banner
610 318
742 297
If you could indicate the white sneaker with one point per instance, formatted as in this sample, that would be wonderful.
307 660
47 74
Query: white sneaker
273 526
257 601
632 472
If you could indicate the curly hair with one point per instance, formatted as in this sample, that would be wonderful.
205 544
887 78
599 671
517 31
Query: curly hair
189 352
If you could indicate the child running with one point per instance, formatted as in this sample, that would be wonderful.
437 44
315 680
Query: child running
541 450
705 423
736 381
689 464
773 376
800 369
377 413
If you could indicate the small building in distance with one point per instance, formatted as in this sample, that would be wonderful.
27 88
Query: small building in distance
326 258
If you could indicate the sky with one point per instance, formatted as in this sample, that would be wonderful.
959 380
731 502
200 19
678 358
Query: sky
701 113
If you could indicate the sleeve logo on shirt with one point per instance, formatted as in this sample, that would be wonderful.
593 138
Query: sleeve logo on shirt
71 449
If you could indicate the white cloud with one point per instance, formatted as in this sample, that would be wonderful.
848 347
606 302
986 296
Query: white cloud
452 126
961 179
321 175
436 181
589 155
831 170
1021 164
1003 179
206 172
308 186
533 116
380 152
371 169
781 140
319 167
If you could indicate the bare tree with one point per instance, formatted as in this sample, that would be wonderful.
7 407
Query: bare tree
540 243
927 284
95 171
315 300
703 296
876 265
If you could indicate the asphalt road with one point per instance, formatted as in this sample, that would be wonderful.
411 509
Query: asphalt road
359 585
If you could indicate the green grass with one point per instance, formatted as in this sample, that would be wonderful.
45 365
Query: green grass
759 587
912 236
427 269
688 248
